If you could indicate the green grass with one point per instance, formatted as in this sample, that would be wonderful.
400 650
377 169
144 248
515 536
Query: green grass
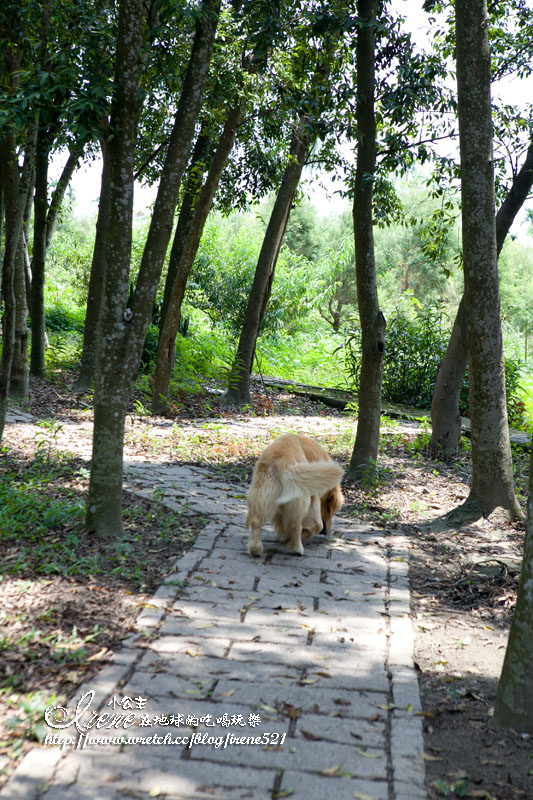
42 534
33 512
306 356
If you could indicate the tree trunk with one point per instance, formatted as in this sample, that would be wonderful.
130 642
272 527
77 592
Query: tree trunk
59 192
104 510
39 256
193 187
179 151
96 280
19 385
122 330
514 698
492 473
44 224
182 261
372 321
239 381
15 191
445 416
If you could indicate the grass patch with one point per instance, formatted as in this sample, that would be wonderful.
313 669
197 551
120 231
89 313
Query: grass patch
42 509
305 356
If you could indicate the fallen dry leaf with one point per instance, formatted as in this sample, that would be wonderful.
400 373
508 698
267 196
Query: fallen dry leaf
312 736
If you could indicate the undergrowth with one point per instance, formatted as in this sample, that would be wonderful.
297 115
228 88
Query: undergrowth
42 533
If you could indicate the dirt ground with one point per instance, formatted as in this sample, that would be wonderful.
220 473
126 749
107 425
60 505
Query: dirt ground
463 581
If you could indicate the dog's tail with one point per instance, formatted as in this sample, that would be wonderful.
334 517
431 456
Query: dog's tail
304 480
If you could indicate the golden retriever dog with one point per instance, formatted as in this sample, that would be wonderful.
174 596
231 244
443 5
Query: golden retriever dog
295 485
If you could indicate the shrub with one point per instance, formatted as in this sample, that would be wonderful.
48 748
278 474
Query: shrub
414 350
413 353
61 318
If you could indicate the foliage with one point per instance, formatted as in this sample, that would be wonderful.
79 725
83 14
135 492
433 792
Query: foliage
516 408
415 343
514 391
419 255
28 722
307 355
339 300
203 356
24 511
61 317
149 350
516 290
42 534
222 276
303 234
296 344
69 262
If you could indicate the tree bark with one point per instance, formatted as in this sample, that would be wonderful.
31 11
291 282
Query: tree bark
514 697
104 509
239 382
44 224
39 256
193 187
178 154
59 192
122 330
19 385
182 258
15 191
492 474
445 415
96 280
372 321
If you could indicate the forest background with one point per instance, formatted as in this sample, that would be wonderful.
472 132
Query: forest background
311 321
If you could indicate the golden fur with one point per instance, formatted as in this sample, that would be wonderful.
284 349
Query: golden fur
295 485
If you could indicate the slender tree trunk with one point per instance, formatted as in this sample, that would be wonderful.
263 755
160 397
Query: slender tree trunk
39 256
179 151
44 224
445 416
58 196
182 258
96 280
27 265
15 191
239 381
19 386
371 318
492 474
514 698
193 187
122 330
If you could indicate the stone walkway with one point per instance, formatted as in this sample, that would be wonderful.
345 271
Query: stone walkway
250 678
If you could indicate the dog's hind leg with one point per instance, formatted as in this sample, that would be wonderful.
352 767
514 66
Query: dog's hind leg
294 541
288 523
255 544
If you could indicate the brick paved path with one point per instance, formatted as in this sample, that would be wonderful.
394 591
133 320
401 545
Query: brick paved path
294 675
